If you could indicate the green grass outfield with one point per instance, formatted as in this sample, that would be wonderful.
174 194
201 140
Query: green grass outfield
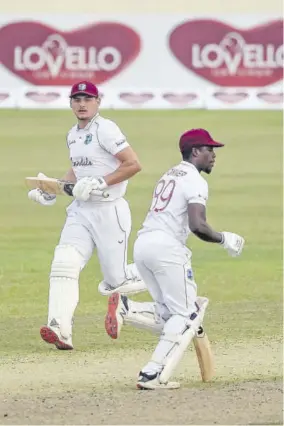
245 196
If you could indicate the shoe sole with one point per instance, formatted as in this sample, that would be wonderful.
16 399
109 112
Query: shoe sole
111 325
49 336
150 386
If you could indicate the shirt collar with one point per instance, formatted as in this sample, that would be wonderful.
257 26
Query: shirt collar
186 163
87 127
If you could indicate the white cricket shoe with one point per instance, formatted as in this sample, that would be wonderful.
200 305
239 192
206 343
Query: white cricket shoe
133 284
117 311
51 334
152 382
126 288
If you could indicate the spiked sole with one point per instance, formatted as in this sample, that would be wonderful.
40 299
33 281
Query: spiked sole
49 336
111 324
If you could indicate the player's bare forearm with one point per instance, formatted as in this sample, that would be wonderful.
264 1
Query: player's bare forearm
129 166
125 171
69 176
198 225
206 233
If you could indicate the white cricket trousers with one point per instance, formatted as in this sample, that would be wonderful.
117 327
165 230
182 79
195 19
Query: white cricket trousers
164 264
105 226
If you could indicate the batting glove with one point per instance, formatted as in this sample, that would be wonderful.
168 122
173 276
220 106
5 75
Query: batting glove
99 184
40 196
84 187
233 243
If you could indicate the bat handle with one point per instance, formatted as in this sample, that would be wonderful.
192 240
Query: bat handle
103 194
68 188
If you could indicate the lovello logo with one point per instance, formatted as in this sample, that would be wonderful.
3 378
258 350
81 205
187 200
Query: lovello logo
230 57
45 56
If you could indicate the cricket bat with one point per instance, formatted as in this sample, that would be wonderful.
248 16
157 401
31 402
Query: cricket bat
57 186
204 355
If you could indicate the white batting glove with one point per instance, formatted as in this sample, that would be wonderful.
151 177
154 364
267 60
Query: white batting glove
40 196
99 184
233 243
84 187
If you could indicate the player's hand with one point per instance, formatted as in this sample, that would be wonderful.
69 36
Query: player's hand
41 197
84 187
99 184
233 243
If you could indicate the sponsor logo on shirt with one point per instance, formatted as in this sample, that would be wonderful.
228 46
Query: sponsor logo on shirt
120 142
176 173
81 161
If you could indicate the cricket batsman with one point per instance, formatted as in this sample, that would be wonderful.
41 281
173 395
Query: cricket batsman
160 253
101 160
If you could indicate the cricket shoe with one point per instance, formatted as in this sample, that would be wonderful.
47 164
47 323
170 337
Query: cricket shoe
130 286
51 334
152 382
117 311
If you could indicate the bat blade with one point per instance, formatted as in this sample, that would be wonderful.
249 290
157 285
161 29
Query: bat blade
57 186
204 355
51 185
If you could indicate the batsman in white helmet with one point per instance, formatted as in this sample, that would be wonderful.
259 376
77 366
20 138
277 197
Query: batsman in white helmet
164 262
101 160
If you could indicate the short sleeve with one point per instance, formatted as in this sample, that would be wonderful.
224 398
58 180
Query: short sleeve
67 139
197 192
111 137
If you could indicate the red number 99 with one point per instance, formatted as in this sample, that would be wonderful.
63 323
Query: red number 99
162 195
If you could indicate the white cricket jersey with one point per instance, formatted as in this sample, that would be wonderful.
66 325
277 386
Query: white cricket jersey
178 187
92 152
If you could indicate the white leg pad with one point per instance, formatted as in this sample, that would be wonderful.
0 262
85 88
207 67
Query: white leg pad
64 287
176 337
145 321
143 315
